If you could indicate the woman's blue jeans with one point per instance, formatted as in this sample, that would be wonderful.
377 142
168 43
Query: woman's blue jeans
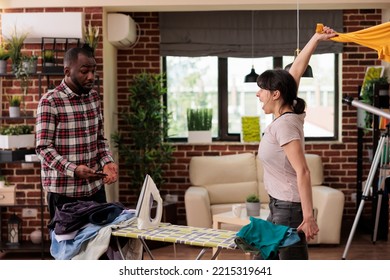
289 214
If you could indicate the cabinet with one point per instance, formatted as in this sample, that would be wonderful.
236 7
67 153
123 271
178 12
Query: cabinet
24 246
18 155
380 101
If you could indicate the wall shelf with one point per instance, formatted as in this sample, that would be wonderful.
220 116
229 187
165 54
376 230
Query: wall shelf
18 156
15 155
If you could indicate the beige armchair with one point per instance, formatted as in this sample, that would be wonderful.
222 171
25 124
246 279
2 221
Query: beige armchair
218 182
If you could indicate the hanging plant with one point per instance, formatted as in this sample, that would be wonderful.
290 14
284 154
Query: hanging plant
21 73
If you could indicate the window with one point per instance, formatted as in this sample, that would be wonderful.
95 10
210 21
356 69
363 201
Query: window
192 82
321 96
218 83
242 100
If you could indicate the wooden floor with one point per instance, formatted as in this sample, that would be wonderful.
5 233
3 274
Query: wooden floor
361 248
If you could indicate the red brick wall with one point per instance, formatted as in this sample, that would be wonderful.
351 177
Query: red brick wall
26 177
339 157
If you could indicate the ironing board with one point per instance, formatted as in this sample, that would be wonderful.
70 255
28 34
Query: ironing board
178 234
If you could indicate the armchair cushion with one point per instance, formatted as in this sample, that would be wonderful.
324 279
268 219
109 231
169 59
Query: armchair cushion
228 179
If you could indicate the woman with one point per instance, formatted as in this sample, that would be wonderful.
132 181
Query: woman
286 174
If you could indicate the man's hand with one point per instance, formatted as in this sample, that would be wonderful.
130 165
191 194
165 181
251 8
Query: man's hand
84 172
111 169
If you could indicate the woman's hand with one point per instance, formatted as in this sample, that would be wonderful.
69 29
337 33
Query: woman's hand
302 60
326 33
309 227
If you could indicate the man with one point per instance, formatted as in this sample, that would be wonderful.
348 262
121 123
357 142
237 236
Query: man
75 157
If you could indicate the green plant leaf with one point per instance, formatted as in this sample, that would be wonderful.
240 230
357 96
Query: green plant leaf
253 198
16 130
144 148
199 119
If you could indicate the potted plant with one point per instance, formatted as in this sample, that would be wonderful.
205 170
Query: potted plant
15 43
16 136
48 58
4 56
23 76
145 150
49 62
29 63
199 123
91 36
14 106
253 205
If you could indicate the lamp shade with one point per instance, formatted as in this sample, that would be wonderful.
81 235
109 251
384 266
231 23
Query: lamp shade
251 77
307 74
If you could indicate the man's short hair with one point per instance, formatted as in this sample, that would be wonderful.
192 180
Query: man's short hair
72 54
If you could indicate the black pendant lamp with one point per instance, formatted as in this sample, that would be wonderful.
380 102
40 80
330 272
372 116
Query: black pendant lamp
252 76
308 72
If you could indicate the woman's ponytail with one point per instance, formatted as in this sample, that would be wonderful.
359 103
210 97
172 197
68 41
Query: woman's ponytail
299 105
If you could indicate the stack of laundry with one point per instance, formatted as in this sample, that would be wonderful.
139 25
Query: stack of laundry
82 230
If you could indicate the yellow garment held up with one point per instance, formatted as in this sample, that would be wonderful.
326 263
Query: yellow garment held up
376 37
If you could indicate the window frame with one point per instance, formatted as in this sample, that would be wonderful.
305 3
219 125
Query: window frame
223 121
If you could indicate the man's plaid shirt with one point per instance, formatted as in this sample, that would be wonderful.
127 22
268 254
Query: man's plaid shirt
69 132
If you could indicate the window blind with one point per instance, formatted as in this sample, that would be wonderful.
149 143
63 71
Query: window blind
229 33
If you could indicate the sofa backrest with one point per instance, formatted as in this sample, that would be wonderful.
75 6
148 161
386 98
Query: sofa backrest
316 168
228 179
314 163
264 198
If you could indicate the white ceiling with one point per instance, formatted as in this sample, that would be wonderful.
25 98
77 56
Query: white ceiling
198 5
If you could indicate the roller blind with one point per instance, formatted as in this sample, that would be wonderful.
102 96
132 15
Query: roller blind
229 33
